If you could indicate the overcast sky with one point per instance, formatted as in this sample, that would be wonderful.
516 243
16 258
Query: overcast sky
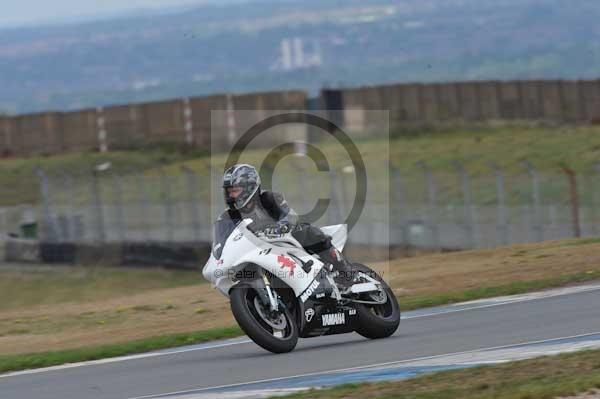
19 12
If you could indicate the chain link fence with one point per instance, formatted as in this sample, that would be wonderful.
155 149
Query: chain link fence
490 207
456 208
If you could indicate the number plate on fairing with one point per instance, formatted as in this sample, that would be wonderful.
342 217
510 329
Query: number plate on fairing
327 320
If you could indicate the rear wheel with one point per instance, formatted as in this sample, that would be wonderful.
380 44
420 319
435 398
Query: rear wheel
377 321
274 331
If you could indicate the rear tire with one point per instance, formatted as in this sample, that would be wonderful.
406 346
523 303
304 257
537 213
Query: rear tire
377 321
243 307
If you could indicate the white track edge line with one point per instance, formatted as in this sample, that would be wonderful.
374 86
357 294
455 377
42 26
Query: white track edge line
193 391
520 299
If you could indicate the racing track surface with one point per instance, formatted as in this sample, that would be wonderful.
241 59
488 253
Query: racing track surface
446 330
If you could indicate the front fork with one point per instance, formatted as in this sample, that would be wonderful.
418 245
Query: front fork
272 300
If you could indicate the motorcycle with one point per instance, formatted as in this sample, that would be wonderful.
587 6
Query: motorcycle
278 292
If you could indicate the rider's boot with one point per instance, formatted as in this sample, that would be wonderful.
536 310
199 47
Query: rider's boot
341 268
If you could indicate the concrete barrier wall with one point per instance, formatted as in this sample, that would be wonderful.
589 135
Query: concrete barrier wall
510 100
123 125
551 99
253 108
531 101
188 121
590 97
426 104
449 106
39 134
571 101
163 122
429 103
79 130
489 97
179 121
201 119
8 137
351 113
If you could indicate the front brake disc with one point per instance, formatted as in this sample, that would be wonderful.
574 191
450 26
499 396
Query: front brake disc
277 323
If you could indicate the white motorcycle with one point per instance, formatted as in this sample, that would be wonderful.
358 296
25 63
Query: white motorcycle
279 292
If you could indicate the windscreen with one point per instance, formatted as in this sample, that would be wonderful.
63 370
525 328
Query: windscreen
222 230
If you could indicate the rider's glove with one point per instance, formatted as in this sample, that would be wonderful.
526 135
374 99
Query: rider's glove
284 227
278 229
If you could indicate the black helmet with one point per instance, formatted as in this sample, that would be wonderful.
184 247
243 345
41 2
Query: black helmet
244 176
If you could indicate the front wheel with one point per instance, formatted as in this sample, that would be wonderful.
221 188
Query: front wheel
276 332
377 321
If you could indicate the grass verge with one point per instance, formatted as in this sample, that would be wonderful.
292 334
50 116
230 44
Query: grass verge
518 287
46 359
105 308
34 285
545 377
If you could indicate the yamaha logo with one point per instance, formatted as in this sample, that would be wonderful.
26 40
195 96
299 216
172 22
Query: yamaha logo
309 314
334 319
309 291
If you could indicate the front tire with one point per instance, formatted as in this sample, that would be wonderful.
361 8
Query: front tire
377 321
251 317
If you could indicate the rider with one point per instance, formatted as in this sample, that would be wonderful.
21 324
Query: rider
245 199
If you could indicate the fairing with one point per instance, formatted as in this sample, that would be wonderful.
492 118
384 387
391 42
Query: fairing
280 257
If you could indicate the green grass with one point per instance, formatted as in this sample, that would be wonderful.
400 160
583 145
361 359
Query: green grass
23 286
582 241
46 359
517 287
540 378
547 148
19 174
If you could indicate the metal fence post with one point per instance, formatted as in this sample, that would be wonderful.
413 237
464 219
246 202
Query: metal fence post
215 192
303 177
594 186
268 172
574 200
49 229
398 203
535 201
554 226
167 204
432 218
119 214
335 215
97 203
588 213
192 186
143 205
345 203
501 215
467 203
65 219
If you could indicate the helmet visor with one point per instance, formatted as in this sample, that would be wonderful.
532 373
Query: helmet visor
239 196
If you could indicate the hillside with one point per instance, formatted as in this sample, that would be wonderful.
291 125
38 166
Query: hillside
268 44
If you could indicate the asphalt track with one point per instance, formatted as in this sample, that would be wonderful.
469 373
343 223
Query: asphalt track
222 366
